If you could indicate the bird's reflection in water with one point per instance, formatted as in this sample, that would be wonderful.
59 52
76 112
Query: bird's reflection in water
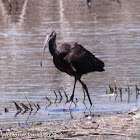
88 3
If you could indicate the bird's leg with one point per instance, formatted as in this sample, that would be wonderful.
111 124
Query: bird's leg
84 94
86 89
72 96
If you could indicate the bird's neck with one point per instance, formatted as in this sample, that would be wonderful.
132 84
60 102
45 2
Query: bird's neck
52 47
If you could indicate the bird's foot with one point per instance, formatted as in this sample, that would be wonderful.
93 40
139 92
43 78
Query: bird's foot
90 109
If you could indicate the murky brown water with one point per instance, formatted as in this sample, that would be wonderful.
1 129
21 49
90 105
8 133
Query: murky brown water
108 28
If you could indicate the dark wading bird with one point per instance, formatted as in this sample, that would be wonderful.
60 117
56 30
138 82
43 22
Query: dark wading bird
72 59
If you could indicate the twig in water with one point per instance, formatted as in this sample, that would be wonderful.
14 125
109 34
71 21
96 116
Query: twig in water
24 106
111 90
67 100
128 88
28 101
48 106
24 111
18 111
137 91
115 86
36 105
115 90
17 106
49 100
55 96
6 110
28 116
61 97
120 89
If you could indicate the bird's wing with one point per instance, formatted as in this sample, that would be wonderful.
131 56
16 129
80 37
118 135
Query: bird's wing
82 60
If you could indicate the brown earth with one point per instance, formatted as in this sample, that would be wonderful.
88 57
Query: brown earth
116 126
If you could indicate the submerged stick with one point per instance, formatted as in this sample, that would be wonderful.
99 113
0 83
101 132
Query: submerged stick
128 88
28 116
120 89
18 111
36 105
49 100
6 110
28 101
49 103
55 96
137 91
24 111
17 106
61 97
115 86
67 100
115 90
24 106
111 90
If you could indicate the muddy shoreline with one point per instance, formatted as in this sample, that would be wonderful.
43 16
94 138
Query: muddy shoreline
122 125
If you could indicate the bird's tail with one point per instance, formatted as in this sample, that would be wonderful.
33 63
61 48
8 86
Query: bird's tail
101 65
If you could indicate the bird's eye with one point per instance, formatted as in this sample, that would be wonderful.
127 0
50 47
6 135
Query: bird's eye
51 34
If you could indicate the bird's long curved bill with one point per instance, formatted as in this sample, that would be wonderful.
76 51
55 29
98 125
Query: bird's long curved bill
45 46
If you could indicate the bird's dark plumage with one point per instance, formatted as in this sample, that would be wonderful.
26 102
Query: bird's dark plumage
73 59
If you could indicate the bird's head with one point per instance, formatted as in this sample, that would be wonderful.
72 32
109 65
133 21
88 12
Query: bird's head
51 34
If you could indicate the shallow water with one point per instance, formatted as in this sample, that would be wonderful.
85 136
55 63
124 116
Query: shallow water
108 28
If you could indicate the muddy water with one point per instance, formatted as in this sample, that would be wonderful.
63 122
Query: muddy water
108 28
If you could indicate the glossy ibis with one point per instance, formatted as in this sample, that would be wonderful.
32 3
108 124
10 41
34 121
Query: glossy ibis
73 59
